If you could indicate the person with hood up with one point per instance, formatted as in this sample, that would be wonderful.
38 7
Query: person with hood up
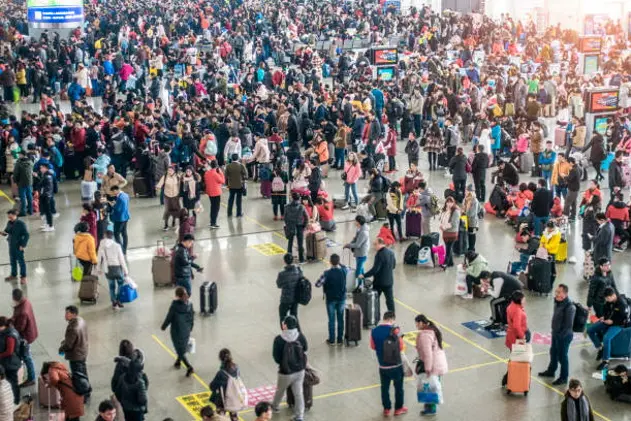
126 354
111 263
180 319
220 382
431 355
84 247
56 375
131 392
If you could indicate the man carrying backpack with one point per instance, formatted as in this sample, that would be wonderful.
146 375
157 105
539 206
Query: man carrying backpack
10 358
288 280
290 353
388 345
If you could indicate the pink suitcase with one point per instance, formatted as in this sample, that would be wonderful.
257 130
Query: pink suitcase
559 136
440 253
49 397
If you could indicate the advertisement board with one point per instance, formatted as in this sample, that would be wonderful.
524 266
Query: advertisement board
590 64
590 44
386 73
54 13
600 125
385 56
604 101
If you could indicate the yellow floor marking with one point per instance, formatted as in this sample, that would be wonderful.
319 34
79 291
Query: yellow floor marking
269 249
3 194
194 403
256 222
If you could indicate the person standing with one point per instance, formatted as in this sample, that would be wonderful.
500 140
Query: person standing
183 263
352 172
458 167
598 283
170 187
236 174
228 369
383 272
24 322
597 154
478 172
131 392
180 319
17 237
616 175
394 205
449 225
573 182
615 318
547 158
576 405
290 353
389 371
84 248
562 335
296 218
23 177
602 242
333 282
213 180
47 197
472 210
75 345
287 281
111 263
360 244
119 215
429 348
9 356
540 206
110 180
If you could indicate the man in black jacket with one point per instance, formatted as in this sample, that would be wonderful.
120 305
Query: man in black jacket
296 218
183 263
500 286
478 171
602 279
333 281
17 237
383 272
573 186
616 180
615 318
541 205
562 335
46 197
287 281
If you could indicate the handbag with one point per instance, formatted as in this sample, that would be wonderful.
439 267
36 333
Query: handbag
127 294
77 272
344 176
419 368
429 390
450 236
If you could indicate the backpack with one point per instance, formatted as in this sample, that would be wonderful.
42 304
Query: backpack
580 318
434 207
391 350
411 253
235 397
294 358
309 133
385 184
303 291
277 184
211 148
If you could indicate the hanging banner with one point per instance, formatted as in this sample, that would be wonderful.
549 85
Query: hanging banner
54 13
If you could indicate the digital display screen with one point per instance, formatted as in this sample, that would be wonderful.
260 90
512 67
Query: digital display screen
385 73
591 64
590 44
385 56
600 125
54 11
604 101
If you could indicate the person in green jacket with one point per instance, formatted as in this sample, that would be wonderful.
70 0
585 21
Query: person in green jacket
474 265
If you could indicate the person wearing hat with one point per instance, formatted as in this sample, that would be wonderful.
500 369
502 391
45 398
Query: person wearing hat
23 177
291 365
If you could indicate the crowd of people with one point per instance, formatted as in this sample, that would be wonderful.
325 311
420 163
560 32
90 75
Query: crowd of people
184 100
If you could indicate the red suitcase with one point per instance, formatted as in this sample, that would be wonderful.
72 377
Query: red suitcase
559 136
518 378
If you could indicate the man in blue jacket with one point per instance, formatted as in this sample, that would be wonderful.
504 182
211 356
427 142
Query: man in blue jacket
334 286
379 101
547 158
119 215
17 237
496 137
75 92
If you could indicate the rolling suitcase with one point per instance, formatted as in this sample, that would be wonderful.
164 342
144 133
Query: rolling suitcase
266 188
561 256
368 302
89 289
140 186
559 136
161 271
413 224
49 397
540 276
518 378
208 298
316 245
352 324
621 344
307 394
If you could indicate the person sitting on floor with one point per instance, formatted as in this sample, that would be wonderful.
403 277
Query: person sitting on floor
500 286
385 233
474 265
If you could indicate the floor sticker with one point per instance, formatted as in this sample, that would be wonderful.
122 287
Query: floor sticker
269 249
330 243
479 327
410 339
261 394
194 403
546 338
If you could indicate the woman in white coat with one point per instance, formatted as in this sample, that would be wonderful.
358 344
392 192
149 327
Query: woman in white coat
432 363
111 263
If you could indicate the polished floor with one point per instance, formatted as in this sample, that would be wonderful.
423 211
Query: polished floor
247 319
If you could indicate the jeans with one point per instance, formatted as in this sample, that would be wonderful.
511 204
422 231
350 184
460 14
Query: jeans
558 355
449 255
480 189
12 378
26 200
299 233
560 191
417 124
395 218
16 257
80 367
215 204
539 222
348 189
339 157
238 193
45 208
459 186
607 332
335 310
31 375
115 285
184 283
295 381
120 234
360 261
387 292
387 376
546 175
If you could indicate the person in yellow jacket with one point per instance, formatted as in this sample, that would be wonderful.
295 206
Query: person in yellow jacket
84 247
551 239
560 171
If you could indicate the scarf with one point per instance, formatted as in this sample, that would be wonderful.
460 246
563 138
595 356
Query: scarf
189 186
571 409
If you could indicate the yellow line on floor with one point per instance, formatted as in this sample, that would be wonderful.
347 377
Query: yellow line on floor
172 354
256 222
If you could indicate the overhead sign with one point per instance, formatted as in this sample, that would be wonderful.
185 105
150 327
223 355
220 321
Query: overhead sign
603 101
385 56
590 44
54 13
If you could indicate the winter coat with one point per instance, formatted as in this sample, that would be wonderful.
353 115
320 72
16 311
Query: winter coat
261 153
517 324
220 382
24 322
17 234
131 392
8 346
383 268
458 165
235 174
361 242
110 254
85 247
122 366
432 355
183 264
476 266
161 164
90 219
603 242
568 408
597 154
75 343
181 320
23 172
287 281
295 215
597 285
60 379
353 172
213 180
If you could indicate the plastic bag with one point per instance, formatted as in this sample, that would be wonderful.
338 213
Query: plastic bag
429 389
77 272
521 352
131 282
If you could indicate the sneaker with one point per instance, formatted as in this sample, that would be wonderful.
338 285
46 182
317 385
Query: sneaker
189 372
11 278
178 364
166 228
386 412
467 297
401 411
27 383
340 343
428 412
345 207
602 365
545 374
23 280
48 229
119 304
275 218
329 343
114 306
57 215
214 227
599 355
41 227
559 382
618 249
275 409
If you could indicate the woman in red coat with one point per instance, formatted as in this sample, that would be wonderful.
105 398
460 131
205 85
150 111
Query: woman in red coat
517 320
213 179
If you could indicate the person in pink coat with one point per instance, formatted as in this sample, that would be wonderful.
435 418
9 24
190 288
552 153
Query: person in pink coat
429 346
353 171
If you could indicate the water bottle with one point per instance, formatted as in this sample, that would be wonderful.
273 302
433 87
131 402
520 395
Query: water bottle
604 373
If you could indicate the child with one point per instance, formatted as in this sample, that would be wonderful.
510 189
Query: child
557 209
366 208
386 234
325 210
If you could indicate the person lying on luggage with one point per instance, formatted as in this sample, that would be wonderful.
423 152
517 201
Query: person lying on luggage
615 318
500 286
474 265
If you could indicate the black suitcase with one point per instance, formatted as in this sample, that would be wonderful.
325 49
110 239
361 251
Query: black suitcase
368 302
461 245
352 324
208 298
540 276
430 240
307 392
140 186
